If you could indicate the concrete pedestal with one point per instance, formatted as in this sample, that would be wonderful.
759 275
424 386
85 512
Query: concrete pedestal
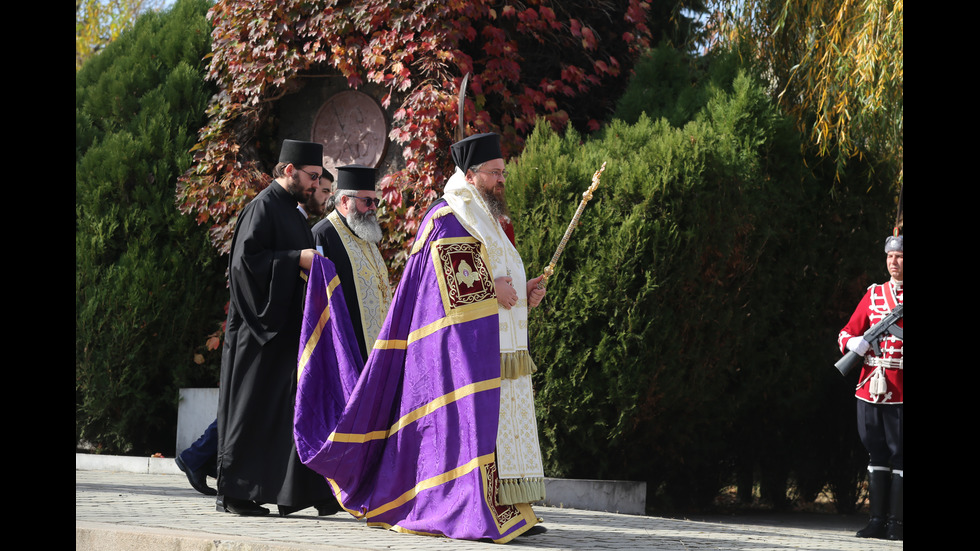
614 496
197 409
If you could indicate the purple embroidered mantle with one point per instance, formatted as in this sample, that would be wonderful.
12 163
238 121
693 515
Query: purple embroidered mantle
329 361
413 449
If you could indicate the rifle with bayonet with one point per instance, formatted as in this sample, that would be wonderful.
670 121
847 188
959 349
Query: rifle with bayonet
887 325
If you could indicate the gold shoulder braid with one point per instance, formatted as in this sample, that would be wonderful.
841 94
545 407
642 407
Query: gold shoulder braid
423 234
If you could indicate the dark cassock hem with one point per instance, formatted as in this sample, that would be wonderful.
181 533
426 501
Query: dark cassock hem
256 453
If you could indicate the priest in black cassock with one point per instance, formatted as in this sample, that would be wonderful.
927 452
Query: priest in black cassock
271 250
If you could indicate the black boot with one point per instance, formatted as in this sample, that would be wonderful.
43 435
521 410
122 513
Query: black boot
896 512
878 483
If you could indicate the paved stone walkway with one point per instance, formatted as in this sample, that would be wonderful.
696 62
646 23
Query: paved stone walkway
136 511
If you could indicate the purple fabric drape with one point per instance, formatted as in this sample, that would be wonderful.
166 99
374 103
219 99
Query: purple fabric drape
413 448
329 360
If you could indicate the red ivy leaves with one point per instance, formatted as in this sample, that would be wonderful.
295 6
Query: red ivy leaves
418 50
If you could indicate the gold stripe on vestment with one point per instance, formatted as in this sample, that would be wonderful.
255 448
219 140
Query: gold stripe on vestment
462 314
320 324
417 413
390 344
437 480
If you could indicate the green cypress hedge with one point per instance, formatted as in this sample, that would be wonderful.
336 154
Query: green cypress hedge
689 332
148 286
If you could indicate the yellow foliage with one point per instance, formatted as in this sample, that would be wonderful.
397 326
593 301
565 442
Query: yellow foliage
99 22
836 65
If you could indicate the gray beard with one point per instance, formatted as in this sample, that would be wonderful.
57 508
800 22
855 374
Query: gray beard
364 225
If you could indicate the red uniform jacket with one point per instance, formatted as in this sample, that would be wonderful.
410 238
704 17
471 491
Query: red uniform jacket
876 304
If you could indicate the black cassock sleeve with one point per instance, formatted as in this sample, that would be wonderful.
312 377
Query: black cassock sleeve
264 267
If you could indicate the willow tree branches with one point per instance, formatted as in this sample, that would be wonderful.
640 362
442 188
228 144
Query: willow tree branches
836 65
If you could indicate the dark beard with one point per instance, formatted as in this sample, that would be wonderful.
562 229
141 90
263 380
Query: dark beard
295 190
497 205
314 207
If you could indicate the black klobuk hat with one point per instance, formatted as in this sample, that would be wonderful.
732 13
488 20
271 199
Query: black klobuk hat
356 177
478 148
301 153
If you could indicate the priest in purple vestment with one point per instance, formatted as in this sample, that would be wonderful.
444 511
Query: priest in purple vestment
438 435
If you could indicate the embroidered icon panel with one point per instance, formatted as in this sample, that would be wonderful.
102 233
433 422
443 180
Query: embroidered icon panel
464 276
504 515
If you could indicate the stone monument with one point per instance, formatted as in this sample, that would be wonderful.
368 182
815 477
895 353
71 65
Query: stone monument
352 128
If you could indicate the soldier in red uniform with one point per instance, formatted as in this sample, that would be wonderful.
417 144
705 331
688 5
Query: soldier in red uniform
879 398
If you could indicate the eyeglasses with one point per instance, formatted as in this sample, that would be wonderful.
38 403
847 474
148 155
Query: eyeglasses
313 175
368 201
495 173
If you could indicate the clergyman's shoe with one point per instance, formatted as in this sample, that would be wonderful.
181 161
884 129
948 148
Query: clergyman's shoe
328 508
535 530
289 509
198 479
242 507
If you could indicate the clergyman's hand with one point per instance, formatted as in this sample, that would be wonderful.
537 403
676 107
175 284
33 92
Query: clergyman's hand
534 295
306 258
506 293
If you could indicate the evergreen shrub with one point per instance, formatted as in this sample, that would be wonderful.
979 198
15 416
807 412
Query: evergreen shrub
148 286
688 334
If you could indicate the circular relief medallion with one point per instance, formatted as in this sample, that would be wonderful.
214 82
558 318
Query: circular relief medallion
351 126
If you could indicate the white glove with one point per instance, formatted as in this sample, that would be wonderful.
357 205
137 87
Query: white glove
858 345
